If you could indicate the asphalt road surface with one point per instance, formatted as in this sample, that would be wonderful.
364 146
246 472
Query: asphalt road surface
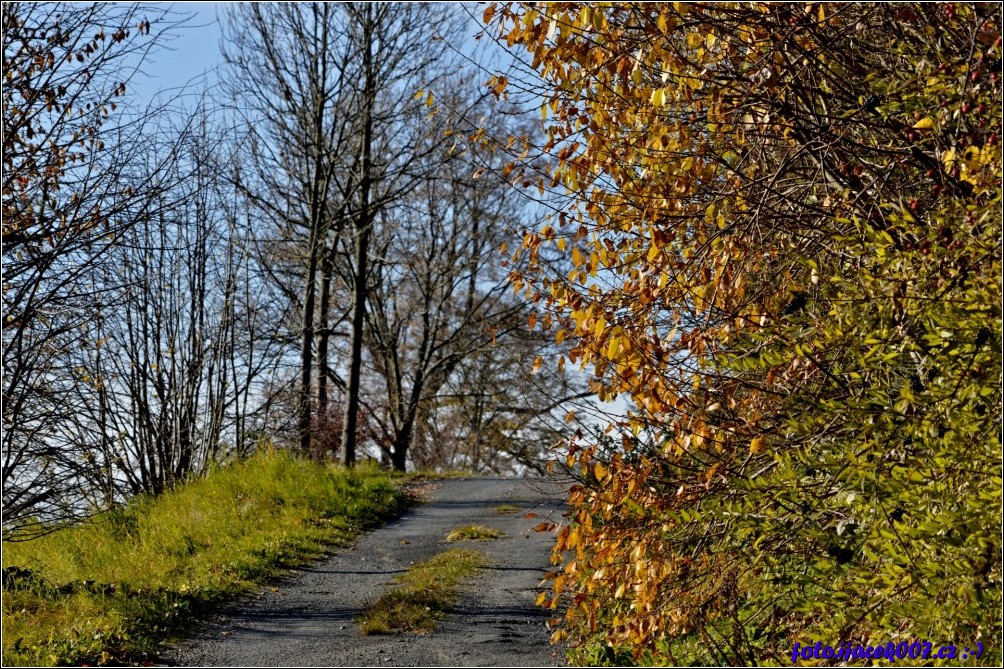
309 618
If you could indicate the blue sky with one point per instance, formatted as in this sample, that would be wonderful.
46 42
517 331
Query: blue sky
193 52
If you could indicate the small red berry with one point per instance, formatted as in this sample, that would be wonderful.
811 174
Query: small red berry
965 107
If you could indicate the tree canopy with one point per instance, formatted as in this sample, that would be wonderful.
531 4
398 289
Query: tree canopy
784 234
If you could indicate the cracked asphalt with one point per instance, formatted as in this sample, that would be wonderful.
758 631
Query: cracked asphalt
308 619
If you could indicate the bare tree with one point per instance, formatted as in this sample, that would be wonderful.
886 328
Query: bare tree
67 200
176 358
291 67
437 295
326 92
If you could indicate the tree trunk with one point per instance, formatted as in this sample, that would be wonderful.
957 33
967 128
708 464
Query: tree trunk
307 343
399 449
323 335
364 226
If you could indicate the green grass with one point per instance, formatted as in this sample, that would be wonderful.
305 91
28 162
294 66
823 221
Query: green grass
474 533
426 591
109 590
506 509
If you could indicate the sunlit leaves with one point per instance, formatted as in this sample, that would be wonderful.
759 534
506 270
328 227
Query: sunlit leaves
785 245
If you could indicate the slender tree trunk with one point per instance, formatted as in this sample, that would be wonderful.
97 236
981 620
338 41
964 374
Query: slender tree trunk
364 226
323 335
306 344
317 203
356 346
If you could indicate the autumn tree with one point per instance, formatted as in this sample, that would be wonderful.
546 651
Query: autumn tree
785 232
67 199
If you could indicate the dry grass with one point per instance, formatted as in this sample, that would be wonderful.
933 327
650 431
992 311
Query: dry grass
474 533
426 591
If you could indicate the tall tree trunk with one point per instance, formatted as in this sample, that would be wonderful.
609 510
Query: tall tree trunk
323 335
364 226
317 204
399 450
306 345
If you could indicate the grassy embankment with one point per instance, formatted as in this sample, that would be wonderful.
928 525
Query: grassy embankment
109 590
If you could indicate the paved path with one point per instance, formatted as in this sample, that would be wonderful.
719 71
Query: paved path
309 619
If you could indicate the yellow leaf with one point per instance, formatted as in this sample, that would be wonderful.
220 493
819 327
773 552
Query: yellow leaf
598 20
926 123
659 97
757 445
613 347
663 24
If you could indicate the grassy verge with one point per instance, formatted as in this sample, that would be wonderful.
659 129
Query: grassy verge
108 591
474 533
506 509
427 590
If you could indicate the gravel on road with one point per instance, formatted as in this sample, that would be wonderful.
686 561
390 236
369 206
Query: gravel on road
308 619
